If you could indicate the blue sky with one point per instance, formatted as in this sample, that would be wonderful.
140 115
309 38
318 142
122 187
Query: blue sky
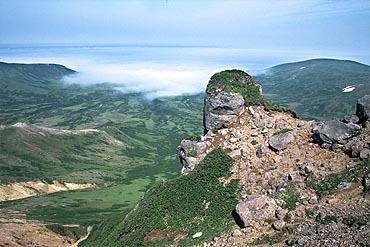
215 35
285 25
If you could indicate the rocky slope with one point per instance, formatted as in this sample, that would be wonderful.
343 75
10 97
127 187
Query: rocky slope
298 184
259 176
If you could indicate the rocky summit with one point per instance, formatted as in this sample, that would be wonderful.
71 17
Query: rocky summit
301 182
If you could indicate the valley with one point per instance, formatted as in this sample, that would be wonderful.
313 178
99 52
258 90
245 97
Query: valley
114 146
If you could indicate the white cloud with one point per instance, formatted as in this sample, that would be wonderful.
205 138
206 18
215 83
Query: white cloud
153 79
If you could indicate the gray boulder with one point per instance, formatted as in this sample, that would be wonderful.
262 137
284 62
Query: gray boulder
335 131
256 208
351 119
280 141
363 108
188 151
221 109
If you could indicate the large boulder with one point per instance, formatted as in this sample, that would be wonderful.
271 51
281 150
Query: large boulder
363 108
256 208
221 109
335 131
280 141
226 94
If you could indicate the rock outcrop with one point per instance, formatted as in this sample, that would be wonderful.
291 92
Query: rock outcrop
363 108
226 94
289 187
221 109
189 153
335 131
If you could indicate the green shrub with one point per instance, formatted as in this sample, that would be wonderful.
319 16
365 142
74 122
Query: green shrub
254 142
291 196
238 81
328 219
185 205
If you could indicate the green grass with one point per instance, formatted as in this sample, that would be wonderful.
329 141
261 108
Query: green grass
291 196
178 206
328 219
283 131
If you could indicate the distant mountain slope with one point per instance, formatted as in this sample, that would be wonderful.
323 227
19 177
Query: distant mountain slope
149 130
313 88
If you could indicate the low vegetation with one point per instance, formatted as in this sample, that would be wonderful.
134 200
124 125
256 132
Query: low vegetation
238 81
197 202
332 183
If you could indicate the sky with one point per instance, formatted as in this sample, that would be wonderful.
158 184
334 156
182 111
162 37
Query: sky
245 34
269 24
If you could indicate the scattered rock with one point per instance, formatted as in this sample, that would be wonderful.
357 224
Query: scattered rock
278 225
363 108
313 200
261 124
256 208
270 125
235 154
281 213
293 175
261 150
366 182
233 140
237 233
303 240
280 141
197 235
300 124
365 153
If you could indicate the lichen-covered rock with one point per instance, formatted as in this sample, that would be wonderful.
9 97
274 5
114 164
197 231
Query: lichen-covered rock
363 108
280 141
256 208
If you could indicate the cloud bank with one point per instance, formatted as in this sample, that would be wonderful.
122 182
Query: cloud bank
152 79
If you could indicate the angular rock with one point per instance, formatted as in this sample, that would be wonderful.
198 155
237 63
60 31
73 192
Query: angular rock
365 153
366 182
261 150
220 109
278 225
303 240
351 119
256 208
186 151
280 141
335 131
363 108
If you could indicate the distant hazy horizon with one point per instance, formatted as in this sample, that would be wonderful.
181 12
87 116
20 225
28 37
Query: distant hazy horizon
156 70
